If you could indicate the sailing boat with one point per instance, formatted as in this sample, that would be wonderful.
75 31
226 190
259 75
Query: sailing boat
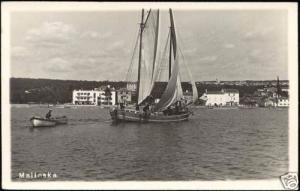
171 107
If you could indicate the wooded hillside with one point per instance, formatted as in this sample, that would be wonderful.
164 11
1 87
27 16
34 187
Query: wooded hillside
25 90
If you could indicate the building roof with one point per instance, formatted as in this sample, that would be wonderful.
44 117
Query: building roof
231 91
214 92
124 90
282 98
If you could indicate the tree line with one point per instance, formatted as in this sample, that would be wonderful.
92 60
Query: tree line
26 90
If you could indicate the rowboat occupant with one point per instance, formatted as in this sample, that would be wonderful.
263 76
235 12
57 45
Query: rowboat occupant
48 115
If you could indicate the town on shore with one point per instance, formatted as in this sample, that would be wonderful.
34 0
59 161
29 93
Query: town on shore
271 93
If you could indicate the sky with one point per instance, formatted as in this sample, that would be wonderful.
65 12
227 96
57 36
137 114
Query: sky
98 45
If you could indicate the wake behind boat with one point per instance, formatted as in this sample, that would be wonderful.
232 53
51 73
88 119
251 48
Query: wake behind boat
172 106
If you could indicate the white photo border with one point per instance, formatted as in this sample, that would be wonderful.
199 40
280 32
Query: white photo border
8 7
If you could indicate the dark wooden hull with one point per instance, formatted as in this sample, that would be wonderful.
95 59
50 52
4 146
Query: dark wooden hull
136 116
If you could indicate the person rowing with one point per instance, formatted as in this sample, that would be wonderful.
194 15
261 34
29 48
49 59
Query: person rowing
48 115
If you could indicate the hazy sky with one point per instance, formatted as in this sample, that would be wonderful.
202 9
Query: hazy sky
228 45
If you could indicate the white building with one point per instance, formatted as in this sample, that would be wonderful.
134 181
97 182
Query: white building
94 97
225 97
131 86
285 89
282 102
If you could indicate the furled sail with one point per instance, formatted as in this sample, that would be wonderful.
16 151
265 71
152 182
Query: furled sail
149 52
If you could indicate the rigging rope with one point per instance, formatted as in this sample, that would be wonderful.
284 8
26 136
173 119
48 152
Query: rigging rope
162 59
128 75
183 58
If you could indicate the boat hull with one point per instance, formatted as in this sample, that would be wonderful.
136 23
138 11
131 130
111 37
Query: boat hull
135 116
42 122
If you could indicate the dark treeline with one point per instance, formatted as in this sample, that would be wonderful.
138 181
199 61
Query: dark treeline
25 90
243 89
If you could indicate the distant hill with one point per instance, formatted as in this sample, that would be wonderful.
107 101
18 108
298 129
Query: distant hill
25 90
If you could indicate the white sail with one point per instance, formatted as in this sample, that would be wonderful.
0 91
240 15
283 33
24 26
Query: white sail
179 95
194 88
149 51
195 91
173 90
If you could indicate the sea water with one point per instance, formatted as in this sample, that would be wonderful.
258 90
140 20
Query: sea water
214 144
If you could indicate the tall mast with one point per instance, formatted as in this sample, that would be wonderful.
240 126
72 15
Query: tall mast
173 44
155 44
173 34
140 56
278 90
170 54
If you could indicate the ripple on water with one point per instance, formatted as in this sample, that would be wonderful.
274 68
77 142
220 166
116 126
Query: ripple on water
212 145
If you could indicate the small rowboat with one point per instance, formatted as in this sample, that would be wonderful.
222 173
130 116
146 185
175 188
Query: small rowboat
37 121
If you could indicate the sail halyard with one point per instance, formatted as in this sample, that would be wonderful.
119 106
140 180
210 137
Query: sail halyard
192 81
194 87
161 61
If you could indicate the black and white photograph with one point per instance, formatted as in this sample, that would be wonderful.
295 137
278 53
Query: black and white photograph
99 95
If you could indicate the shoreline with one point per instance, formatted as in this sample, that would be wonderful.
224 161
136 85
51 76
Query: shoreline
105 107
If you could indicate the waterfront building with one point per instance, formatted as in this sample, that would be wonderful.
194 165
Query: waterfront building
225 97
98 96
125 96
268 102
275 102
283 102
84 97
131 86
285 89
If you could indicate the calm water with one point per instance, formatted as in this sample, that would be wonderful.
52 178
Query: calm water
212 145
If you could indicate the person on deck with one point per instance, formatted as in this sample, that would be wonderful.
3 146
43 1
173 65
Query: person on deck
168 111
122 106
48 115
146 108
